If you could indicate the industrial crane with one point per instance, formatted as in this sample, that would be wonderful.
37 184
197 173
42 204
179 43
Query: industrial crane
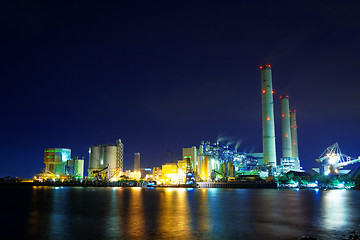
98 173
333 159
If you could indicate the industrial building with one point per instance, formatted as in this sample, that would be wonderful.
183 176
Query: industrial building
60 165
142 173
55 159
211 161
106 161
75 167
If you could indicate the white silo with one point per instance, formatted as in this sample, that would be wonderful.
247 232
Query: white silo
268 126
94 159
102 156
110 156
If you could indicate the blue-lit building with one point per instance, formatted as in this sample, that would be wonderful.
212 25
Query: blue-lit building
59 164
56 159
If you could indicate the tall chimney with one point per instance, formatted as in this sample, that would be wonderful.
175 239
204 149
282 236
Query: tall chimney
137 162
294 138
285 127
268 125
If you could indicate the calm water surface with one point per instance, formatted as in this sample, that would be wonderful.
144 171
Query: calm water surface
136 213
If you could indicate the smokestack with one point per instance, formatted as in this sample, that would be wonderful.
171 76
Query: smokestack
137 162
268 125
294 138
285 127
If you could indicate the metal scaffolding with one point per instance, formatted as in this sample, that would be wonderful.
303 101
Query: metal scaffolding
120 156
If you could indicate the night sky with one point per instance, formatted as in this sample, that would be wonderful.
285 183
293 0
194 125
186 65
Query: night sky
170 74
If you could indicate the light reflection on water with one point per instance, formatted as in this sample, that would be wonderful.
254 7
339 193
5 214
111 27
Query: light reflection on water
334 209
113 220
174 213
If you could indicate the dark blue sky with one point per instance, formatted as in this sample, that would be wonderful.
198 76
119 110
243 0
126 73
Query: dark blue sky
169 74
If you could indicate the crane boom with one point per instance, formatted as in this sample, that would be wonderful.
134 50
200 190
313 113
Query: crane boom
334 159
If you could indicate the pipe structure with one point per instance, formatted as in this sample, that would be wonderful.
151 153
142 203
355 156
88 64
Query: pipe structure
285 127
294 138
268 126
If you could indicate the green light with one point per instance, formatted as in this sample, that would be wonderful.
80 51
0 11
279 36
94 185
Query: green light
187 157
58 151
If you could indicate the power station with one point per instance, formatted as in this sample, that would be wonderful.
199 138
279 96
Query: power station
211 161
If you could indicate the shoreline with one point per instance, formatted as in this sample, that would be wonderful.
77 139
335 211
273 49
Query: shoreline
238 185
260 185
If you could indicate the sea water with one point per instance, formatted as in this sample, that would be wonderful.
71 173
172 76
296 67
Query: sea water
176 213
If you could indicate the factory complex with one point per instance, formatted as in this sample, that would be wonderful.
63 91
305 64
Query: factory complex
205 163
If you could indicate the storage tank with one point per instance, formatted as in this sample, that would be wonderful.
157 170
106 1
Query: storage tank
230 169
110 156
79 168
94 157
102 156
